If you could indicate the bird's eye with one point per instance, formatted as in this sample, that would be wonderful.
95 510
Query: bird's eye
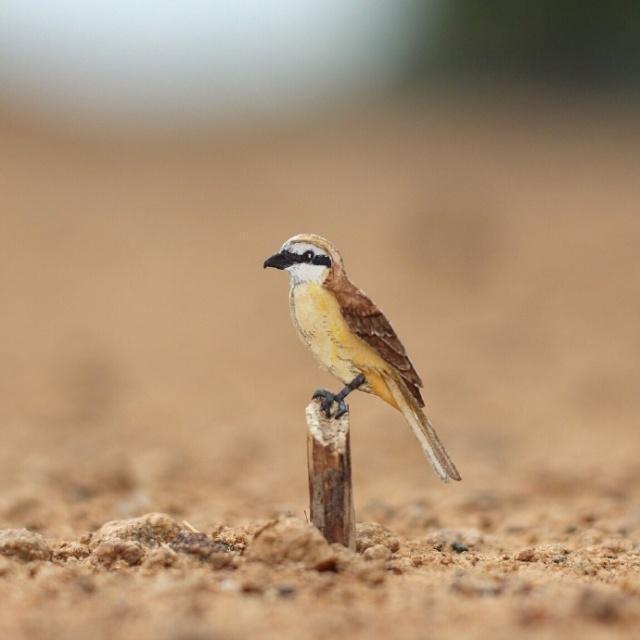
307 256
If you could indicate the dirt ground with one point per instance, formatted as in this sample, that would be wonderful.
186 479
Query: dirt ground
150 376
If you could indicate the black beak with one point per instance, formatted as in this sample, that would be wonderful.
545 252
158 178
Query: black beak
277 261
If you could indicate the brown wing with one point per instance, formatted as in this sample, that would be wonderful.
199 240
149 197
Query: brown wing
369 323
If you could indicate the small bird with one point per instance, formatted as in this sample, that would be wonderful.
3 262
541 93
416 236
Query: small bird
353 339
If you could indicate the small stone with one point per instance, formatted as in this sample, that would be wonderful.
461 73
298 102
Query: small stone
459 547
377 552
24 545
248 585
527 555
286 590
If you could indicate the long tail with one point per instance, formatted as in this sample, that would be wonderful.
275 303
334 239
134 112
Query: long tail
433 449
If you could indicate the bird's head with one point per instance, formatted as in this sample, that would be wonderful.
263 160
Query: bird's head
307 257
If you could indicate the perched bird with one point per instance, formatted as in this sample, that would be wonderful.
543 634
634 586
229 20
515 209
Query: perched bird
353 339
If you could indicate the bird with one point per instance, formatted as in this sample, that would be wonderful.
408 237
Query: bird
351 338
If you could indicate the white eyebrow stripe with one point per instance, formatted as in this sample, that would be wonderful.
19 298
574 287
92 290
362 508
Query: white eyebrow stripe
299 248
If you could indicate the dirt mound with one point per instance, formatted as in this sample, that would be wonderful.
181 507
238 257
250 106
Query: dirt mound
23 544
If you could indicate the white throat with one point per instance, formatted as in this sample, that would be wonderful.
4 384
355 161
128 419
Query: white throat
302 273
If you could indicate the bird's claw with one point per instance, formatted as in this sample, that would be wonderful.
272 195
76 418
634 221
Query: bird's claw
326 402
342 408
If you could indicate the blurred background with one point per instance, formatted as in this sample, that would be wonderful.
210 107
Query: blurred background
477 164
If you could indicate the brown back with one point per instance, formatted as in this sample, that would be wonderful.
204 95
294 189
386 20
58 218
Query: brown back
369 323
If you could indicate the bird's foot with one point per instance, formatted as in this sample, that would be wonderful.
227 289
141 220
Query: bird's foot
326 402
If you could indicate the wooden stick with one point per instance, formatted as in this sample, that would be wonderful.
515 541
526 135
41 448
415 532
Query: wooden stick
329 462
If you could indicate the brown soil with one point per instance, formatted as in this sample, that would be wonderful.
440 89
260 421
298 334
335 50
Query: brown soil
152 390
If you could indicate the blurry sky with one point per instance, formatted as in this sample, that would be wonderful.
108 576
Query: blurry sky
188 59
172 62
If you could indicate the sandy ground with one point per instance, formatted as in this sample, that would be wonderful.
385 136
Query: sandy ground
148 366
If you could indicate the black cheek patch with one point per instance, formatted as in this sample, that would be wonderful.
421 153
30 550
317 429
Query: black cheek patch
325 260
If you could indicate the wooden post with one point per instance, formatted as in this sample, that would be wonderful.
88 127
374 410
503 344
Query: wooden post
329 462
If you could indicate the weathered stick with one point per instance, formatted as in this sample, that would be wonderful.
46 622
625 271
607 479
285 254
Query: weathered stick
329 462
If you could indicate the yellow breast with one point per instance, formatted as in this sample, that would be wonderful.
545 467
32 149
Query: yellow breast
317 317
